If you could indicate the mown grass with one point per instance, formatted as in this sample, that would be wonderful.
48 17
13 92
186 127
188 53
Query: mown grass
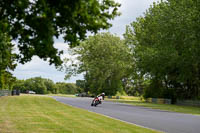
61 95
39 114
133 98
167 107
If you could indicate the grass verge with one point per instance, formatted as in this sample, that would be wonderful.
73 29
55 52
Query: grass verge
39 114
61 95
167 107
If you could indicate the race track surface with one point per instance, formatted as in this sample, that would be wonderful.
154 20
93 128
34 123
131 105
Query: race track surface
156 119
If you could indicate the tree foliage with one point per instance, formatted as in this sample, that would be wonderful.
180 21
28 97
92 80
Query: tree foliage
34 23
105 61
6 62
166 47
45 86
36 84
67 88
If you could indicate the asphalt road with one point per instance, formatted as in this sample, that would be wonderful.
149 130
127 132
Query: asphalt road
155 119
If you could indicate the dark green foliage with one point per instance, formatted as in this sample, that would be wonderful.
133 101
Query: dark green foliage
66 88
166 45
6 80
20 85
34 23
36 84
6 61
82 85
135 85
155 89
51 87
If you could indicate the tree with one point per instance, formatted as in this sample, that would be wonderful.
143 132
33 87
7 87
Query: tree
166 47
19 85
105 60
66 88
8 80
81 85
43 86
34 24
6 62
36 84
51 88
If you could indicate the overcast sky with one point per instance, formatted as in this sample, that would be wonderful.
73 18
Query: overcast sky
130 9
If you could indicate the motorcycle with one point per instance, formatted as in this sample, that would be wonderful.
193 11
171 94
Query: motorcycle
96 101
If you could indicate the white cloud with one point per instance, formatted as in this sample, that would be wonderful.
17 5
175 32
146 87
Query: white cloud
130 9
37 67
61 46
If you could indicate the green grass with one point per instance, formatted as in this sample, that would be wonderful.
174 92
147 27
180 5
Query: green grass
130 98
61 95
167 107
127 98
41 114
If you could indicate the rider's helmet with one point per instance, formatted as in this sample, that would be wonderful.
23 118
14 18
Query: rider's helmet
103 94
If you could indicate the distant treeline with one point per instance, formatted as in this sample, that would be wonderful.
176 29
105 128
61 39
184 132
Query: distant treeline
45 86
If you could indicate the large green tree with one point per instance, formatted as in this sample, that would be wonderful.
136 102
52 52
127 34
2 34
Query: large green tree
20 85
166 45
36 84
35 23
67 88
51 87
105 61
6 61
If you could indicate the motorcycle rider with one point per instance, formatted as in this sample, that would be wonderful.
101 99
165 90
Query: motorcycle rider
99 98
